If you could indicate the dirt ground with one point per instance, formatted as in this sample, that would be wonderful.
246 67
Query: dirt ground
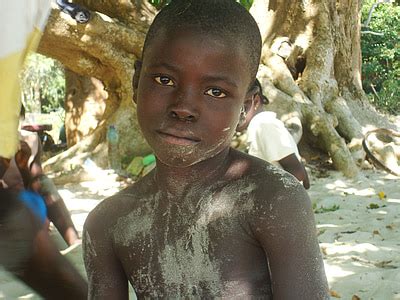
358 223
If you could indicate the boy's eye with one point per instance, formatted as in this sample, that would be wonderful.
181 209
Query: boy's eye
164 80
215 92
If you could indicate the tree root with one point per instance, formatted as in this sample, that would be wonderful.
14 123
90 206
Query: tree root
384 151
317 122
77 154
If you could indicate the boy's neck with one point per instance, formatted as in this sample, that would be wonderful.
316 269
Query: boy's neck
180 180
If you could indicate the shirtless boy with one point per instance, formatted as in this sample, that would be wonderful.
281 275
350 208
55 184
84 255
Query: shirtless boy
208 221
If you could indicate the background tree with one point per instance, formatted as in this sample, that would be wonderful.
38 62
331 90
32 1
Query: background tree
380 43
43 85
311 70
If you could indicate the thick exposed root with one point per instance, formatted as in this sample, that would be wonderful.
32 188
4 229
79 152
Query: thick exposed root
289 100
383 149
77 154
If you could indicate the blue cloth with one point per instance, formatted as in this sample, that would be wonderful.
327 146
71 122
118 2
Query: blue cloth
35 203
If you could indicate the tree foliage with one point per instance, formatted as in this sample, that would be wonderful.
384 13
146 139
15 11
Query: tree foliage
43 84
381 55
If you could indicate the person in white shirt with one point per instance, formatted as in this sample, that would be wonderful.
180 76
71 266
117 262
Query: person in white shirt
268 139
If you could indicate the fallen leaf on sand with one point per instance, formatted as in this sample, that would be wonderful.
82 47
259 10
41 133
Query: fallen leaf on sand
381 195
385 264
334 294
390 226
373 206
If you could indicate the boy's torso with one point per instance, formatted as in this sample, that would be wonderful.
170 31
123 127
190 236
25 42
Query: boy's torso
201 245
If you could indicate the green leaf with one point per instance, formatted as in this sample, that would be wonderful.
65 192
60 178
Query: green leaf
326 209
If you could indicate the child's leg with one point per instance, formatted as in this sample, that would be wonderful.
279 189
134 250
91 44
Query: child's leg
57 212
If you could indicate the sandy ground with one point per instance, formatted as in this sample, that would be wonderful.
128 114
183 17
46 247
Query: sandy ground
358 223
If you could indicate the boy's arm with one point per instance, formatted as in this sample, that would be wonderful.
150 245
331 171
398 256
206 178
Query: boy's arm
285 227
106 277
292 165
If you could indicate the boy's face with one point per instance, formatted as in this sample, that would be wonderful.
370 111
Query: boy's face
189 95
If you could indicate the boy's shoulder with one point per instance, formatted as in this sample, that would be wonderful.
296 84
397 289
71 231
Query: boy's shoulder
269 184
277 198
134 197
263 174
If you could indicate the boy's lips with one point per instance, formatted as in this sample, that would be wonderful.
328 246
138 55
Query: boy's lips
178 138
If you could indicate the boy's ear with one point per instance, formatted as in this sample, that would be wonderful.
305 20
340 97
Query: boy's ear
251 99
245 114
252 92
136 76
248 111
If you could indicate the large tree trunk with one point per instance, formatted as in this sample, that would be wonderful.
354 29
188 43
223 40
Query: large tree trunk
310 71
85 104
106 49
321 40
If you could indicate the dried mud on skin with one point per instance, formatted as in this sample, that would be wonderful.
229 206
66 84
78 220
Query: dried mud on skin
359 239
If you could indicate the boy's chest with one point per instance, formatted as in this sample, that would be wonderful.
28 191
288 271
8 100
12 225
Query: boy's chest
184 251
162 240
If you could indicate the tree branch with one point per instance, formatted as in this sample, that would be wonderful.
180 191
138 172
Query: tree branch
135 13
94 48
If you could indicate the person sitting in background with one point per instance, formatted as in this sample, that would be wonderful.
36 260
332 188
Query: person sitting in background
268 138
27 251
24 172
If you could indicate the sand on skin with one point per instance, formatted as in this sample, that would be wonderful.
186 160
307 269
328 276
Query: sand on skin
358 232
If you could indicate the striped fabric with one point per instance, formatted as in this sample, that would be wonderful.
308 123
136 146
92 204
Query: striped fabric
22 24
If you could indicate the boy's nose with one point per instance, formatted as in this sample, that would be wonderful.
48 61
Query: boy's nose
182 114
183 109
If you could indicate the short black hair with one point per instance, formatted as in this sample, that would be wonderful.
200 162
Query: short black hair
260 92
224 18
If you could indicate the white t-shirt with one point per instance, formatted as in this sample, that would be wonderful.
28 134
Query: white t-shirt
268 138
